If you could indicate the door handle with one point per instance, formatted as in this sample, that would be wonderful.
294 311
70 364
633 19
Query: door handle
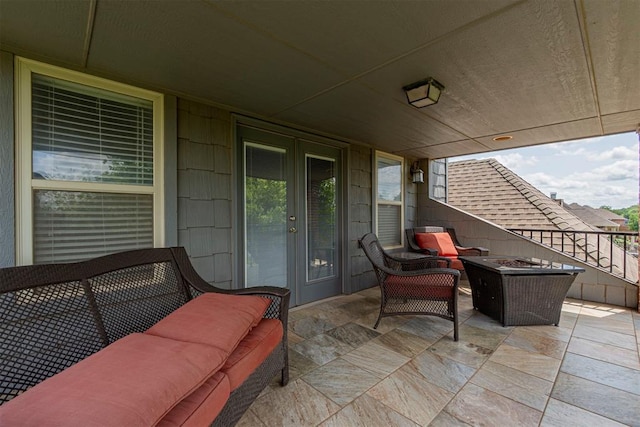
293 230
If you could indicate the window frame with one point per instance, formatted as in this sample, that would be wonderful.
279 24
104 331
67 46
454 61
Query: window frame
383 155
25 185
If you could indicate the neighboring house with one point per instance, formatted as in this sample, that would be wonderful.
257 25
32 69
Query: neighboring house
614 217
491 191
596 217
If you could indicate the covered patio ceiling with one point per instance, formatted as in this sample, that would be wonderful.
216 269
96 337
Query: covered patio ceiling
540 71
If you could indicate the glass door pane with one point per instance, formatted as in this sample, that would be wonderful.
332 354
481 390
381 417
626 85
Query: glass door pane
265 195
321 205
319 268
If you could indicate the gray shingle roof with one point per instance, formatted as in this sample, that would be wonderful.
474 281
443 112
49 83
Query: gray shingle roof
592 216
488 189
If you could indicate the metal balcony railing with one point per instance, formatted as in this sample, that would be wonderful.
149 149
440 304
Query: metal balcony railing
613 251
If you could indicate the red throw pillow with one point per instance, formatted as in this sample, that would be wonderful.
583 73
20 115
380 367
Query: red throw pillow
440 241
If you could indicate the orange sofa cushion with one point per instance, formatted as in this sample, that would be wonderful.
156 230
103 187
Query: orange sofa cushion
135 381
252 351
440 241
219 320
201 406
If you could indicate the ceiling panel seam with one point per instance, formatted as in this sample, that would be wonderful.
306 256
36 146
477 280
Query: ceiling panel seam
88 35
271 36
439 144
586 46
540 127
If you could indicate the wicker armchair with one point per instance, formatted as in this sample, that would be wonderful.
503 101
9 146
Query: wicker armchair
417 286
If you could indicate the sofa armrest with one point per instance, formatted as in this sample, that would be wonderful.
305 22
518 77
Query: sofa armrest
279 308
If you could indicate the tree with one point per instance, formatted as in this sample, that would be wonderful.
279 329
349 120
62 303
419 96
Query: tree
633 219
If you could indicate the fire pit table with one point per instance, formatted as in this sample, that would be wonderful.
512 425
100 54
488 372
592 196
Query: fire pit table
519 291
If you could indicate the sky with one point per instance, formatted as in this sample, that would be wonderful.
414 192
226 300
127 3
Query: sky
601 171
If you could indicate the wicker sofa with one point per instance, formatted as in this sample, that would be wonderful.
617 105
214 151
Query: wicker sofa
135 338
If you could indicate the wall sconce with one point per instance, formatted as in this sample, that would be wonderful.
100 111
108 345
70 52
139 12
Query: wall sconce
423 93
417 174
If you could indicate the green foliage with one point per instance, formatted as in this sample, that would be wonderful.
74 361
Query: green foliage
266 201
633 220
139 171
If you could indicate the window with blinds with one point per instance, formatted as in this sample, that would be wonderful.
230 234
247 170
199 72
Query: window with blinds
91 151
90 135
389 203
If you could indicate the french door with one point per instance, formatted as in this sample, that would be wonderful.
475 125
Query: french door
291 214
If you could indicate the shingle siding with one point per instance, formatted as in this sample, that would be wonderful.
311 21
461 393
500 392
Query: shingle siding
361 221
204 190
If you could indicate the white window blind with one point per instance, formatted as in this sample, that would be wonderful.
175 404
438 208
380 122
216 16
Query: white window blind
389 191
389 232
69 226
91 135
89 184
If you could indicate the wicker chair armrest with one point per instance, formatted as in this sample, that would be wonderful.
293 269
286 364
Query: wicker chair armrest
428 251
411 240
413 245
478 251
422 272
422 263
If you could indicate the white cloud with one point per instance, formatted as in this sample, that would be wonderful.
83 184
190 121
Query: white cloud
617 171
570 150
515 160
576 148
599 149
543 181
587 189
615 153
540 178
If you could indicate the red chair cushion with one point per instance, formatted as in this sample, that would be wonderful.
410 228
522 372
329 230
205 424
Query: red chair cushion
252 351
440 241
134 381
219 320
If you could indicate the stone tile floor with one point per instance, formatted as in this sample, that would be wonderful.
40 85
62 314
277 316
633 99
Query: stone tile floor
410 372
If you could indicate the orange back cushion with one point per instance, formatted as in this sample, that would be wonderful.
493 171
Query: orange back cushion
440 241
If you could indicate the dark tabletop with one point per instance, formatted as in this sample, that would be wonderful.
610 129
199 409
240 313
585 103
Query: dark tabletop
520 265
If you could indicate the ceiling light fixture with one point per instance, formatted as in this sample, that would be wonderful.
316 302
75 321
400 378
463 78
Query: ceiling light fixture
423 93
502 138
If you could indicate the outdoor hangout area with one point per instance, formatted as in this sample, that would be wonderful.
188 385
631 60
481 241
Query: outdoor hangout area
319 213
